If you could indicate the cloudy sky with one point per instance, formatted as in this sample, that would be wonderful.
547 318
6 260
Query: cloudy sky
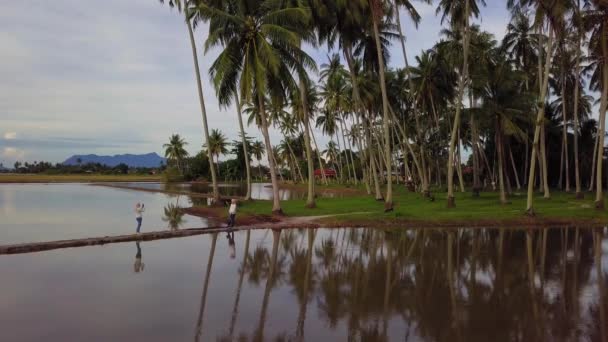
116 76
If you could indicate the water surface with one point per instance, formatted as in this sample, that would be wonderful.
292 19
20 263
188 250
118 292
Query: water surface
291 285
42 212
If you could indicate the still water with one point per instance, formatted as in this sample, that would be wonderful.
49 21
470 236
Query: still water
258 190
310 285
42 212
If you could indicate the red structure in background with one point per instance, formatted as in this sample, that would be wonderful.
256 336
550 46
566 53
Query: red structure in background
328 173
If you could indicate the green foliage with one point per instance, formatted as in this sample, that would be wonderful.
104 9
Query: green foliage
172 174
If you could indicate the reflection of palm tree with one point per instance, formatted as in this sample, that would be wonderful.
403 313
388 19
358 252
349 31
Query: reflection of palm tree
307 285
238 291
173 215
199 323
276 234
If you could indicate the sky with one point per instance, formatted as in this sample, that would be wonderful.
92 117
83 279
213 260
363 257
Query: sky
115 76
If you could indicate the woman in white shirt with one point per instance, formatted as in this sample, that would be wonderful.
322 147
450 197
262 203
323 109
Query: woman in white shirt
139 209
232 213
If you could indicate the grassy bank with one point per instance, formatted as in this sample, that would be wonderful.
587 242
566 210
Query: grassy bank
413 209
75 178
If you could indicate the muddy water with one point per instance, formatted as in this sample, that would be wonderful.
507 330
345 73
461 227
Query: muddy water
312 285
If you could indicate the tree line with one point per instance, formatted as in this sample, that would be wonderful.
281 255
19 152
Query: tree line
521 107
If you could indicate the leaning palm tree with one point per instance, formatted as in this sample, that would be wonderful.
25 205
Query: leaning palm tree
261 48
187 7
217 146
225 101
459 15
377 14
415 17
175 151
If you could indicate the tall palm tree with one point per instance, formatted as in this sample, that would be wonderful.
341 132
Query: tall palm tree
257 150
187 7
596 22
226 101
377 14
552 13
459 15
415 17
218 144
175 151
261 42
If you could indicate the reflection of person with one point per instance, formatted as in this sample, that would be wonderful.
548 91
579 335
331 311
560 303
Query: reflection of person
138 266
139 209
232 213
230 237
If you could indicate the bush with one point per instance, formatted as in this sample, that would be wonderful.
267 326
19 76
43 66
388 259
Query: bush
172 174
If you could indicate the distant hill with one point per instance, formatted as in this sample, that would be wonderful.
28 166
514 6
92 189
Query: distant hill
132 160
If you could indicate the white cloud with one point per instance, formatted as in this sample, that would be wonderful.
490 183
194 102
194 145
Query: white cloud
10 135
12 153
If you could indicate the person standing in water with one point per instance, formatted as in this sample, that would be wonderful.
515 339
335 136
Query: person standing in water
139 209
232 213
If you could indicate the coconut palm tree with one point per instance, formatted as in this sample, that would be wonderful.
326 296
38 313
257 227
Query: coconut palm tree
459 15
257 150
261 48
503 100
415 17
175 151
187 7
596 23
218 144
376 15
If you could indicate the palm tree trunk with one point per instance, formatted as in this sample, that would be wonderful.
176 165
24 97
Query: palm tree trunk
245 148
363 158
314 141
459 165
359 108
388 200
425 180
577 177
310 198
216 191
474 138
543 152
346 154
456 126
199 323
514 169
499 149
593 168
420 169
565 136
276 205
350 152
599 196
539 121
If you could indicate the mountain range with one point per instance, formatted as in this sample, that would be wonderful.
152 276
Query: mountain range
132 160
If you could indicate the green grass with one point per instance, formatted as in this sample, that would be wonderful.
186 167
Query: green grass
413 207
74 178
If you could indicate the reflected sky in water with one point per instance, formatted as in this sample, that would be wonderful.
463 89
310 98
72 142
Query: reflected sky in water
365 284
42 212
291 285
